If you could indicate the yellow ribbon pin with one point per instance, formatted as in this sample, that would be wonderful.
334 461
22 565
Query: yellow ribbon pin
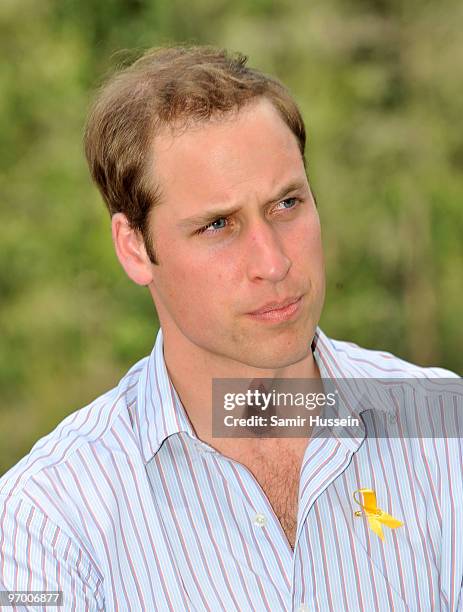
375 515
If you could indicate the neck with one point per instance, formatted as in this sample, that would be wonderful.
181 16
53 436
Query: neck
192 370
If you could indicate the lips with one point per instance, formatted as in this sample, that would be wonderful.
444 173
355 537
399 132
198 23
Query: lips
275 306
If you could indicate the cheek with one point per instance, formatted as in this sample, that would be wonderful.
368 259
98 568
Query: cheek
304 245
195 285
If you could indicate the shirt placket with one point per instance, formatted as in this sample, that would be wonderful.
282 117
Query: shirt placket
267 536
324 460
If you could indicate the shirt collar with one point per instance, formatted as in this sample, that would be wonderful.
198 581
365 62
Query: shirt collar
336 365
159 409
160 413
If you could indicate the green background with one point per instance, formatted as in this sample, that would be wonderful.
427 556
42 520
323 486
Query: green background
380 87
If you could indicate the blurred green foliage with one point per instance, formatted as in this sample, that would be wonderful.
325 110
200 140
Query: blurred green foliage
380 86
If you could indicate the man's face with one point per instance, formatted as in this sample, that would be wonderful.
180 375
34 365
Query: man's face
237 230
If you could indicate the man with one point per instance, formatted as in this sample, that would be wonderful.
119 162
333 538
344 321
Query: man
132 503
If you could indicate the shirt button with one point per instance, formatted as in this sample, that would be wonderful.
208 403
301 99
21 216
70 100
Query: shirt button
260 520
303 608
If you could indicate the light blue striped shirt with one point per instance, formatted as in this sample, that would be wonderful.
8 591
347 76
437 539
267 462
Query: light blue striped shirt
122 507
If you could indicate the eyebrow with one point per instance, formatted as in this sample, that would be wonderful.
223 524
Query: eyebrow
209 216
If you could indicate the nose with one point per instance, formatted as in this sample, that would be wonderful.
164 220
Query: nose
267 259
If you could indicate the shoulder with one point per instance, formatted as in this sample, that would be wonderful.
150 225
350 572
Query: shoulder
381 364
423 400
85 428
57 495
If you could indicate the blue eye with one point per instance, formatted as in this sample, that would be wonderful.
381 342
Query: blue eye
215 226
217 223
290 201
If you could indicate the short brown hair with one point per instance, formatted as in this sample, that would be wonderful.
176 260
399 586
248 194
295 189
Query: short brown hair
167 86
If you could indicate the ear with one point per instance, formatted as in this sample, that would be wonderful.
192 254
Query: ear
130 250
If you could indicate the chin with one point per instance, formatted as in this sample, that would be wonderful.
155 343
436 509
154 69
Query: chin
275 359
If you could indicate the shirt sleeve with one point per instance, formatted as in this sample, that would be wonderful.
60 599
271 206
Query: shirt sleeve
37 555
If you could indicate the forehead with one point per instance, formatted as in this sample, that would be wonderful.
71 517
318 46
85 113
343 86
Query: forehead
252 149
